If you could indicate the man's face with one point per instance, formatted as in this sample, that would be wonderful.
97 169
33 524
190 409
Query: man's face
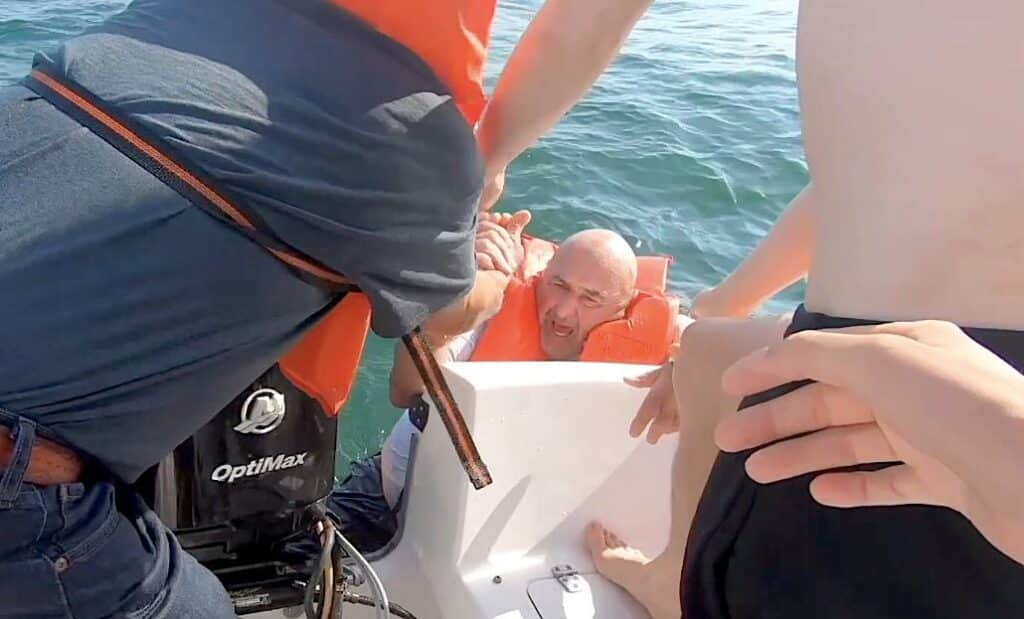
576 294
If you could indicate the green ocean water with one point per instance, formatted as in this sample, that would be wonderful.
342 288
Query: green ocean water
689 145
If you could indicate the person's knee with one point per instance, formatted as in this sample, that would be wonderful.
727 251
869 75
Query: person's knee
707 348
719 342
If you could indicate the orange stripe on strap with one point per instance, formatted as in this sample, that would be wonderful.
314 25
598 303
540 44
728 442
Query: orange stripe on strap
308 267
115 125
230 210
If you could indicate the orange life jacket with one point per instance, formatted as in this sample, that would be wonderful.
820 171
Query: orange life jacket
644 335
325 362
451 36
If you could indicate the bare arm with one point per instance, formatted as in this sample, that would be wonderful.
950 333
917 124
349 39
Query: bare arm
483 301
780 259
565 49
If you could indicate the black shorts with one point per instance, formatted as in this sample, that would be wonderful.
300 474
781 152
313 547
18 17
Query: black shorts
771 551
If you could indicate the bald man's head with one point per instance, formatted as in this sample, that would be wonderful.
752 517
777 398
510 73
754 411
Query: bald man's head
590 280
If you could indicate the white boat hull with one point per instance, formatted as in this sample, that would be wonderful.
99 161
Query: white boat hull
554 436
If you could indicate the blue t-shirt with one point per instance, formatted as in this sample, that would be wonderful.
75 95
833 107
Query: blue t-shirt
130 316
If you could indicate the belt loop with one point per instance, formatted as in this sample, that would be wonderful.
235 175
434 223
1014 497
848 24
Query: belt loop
24 439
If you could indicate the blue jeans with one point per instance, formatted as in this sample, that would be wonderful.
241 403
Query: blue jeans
86 551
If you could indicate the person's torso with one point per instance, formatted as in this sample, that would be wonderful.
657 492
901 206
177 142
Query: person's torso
336 137
451 36
913 123
132 316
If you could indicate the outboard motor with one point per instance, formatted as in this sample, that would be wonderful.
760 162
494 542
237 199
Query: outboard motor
246 493
238 493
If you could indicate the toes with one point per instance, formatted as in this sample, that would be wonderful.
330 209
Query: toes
603 543
612 540
595 535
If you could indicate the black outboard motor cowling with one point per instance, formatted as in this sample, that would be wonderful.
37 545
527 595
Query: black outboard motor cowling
237 493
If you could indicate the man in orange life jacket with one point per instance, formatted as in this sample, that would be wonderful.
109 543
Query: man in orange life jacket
557 305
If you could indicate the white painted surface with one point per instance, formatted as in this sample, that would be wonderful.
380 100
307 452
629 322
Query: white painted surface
554 436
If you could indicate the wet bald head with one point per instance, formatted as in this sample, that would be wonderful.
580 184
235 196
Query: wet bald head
590 280
606 255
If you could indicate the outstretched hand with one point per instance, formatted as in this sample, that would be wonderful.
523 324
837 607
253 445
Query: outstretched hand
659 412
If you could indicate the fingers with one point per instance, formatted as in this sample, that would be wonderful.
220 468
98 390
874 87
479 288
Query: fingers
837 356
658 415
510 221
895 485
499 261
931 332
658 412
645 380
849 359
496 242
644 415
492 228
807 409
820 451
518 222
484 262
665 422
500 236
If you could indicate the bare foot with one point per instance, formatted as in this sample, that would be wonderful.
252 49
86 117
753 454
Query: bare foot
632 570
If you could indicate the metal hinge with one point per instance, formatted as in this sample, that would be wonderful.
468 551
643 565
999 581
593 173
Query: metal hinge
568 577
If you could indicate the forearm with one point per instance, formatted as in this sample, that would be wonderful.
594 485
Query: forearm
406 383
565 49
473 309
780 259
